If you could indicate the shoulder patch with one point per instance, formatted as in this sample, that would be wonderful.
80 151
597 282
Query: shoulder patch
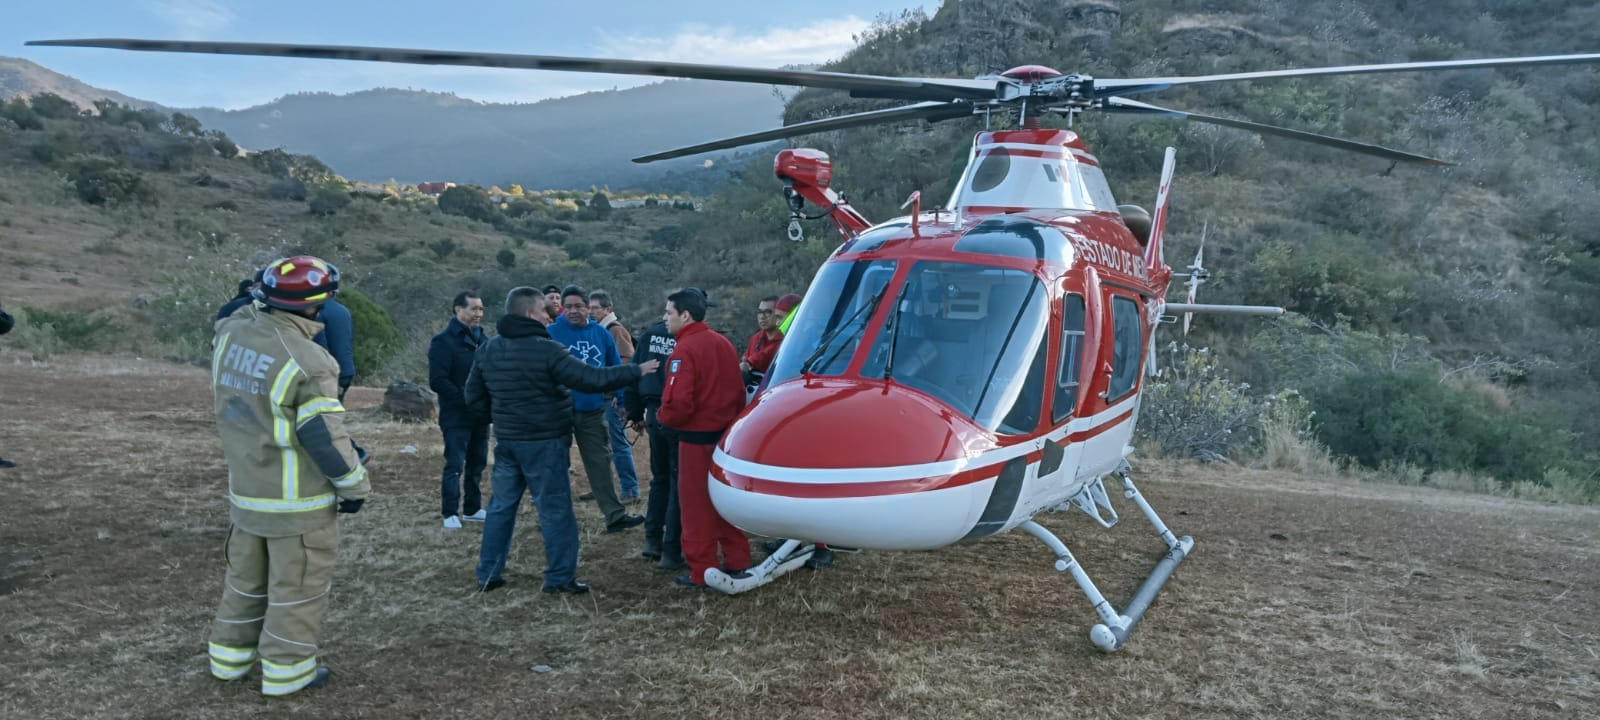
674 366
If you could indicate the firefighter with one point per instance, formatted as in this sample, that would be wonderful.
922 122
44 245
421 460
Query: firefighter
291 467
704 392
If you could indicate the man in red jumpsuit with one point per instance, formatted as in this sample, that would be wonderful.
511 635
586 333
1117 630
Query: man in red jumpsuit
703 393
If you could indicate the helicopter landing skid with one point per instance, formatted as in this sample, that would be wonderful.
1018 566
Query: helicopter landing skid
792 554
1115 628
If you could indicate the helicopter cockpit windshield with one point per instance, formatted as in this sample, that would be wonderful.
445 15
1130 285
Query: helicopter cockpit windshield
970 335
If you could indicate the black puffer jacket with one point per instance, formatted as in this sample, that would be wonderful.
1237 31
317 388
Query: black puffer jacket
520 381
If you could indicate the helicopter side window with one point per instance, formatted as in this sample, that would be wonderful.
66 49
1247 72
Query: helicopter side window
1071 350
992 170
1125 347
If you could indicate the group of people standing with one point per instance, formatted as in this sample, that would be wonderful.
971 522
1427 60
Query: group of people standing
562 368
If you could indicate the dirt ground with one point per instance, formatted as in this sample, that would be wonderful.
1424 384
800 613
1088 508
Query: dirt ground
1302 599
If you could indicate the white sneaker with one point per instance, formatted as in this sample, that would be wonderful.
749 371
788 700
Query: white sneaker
479 516
452 523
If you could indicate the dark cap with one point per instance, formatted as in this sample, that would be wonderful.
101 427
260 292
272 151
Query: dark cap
552 289
703 294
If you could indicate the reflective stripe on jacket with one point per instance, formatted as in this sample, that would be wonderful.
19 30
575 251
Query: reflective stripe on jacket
289 457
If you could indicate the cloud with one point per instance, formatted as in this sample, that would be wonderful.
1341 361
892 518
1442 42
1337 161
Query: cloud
818 42
192 19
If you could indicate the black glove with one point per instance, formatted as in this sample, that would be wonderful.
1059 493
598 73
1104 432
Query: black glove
342 390
351 506
362 456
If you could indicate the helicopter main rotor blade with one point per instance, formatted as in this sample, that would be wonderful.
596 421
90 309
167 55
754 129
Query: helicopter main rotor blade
1134 86
930 111
1124 105
858 85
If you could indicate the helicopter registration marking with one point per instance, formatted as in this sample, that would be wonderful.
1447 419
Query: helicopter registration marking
970 469
1111 257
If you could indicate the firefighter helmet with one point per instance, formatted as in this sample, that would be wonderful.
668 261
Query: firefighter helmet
298 283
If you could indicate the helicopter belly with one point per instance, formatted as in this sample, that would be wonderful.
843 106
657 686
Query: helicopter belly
901 521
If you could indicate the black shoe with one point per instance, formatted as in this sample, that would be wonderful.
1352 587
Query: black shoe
771 546
4 463
494 584
688 582
320 678
624 522
670 561
652 546
571 587
820 558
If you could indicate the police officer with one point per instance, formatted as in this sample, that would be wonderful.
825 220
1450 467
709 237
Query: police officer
291 466
662 526
703 393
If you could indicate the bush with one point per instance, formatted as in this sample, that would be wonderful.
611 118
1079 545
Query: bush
286 188
75 330
468 201
506 258
376 337
53 107
1190 408
443 247
327 200
100 180
24 116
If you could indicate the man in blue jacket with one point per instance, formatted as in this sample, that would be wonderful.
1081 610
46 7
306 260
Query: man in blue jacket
592 344
466 437
338 336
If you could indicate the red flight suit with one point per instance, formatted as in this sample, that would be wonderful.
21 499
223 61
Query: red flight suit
761 350
704 392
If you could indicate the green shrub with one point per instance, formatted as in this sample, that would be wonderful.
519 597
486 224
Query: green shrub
1191 408
376 337
101 180
506 258
443 247
468 201
75 330
327 201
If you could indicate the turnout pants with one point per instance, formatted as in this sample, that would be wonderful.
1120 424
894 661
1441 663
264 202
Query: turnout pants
274 597
704 531
594 449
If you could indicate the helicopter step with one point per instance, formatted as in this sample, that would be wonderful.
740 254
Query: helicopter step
1115 627
789 556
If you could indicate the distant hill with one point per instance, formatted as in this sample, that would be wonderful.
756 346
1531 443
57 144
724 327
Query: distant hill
576 141
414 136
25 77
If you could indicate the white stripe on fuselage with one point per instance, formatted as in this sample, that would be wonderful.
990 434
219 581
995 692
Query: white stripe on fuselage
915 472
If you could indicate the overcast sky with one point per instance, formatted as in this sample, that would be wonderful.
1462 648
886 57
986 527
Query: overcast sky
755 33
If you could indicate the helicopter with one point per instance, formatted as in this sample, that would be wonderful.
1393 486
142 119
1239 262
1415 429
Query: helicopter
953 373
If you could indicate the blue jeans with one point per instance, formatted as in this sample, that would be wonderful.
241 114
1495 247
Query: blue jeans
540 467
622 453
464 448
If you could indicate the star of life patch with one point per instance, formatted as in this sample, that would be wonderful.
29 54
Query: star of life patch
674 366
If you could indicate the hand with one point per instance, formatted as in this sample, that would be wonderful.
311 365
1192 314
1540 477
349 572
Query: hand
351 506
649 366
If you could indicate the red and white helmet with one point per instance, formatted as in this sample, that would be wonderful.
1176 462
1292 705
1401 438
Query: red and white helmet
298 283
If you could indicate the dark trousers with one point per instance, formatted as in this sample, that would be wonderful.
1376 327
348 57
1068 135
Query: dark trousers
466 454
594 450
704 530
661 515
538 467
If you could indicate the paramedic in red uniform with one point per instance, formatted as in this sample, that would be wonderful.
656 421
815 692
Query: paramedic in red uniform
703 393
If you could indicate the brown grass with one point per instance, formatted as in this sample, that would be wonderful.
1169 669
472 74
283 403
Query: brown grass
1381 601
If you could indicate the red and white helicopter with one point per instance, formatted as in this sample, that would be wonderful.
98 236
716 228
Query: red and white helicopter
952 373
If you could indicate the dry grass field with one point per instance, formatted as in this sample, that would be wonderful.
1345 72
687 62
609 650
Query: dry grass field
1304 598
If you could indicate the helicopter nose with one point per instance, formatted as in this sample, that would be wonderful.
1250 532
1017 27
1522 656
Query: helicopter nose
852 463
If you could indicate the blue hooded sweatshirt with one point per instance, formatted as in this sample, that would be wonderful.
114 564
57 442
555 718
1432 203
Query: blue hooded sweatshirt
593 345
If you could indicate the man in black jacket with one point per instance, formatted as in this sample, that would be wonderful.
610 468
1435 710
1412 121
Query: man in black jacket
662 526
520 380
466 438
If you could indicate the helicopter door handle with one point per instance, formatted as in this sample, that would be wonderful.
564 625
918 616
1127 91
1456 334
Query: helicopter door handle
1106 393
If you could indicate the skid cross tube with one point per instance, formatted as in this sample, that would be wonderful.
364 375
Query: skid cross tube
1115 628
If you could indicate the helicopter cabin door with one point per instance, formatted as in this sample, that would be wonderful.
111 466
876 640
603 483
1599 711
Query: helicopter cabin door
1112 397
